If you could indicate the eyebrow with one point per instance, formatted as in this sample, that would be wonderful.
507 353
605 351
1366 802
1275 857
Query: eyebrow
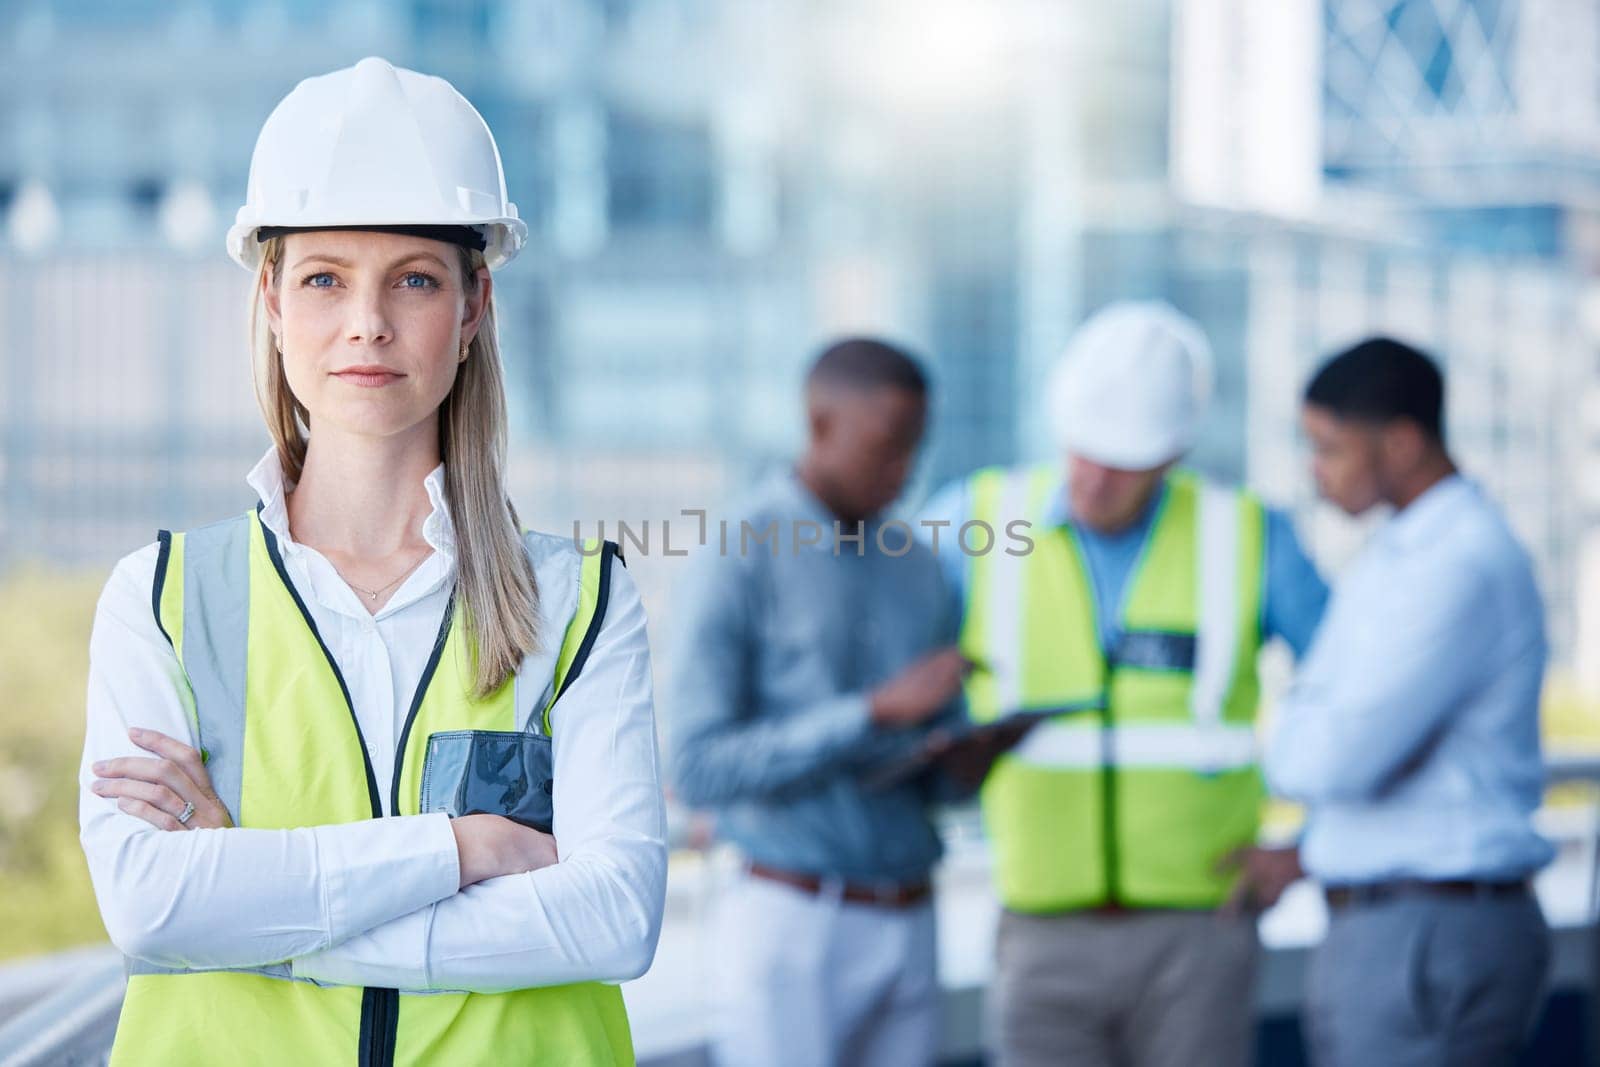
319 257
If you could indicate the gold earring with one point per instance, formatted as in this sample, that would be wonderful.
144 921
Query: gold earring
464 346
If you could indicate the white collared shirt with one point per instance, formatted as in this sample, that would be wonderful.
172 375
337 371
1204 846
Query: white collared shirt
1412 730
376 902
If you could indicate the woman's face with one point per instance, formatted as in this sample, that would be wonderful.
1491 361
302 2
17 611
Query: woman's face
372 326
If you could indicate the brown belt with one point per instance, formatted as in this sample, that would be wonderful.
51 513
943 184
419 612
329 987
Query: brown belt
1119 911
1349 896
1127 912
884 894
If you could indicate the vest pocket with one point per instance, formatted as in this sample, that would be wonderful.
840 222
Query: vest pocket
490 772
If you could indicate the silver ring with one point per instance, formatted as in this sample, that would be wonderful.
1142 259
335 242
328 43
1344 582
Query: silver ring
186 814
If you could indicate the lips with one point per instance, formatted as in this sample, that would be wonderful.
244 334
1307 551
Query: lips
368 376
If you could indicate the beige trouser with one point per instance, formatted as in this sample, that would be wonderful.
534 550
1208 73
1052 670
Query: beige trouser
1135 989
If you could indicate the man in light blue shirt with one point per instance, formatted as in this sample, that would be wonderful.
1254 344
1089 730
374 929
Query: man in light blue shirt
1412 735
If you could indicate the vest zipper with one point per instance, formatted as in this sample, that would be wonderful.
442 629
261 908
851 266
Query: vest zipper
380 1014
380 1008
1109 853
1108 807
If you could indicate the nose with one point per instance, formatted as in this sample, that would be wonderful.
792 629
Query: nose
369 322
1091 478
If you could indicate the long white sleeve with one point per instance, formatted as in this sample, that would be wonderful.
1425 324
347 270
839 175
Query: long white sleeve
235 897
595 915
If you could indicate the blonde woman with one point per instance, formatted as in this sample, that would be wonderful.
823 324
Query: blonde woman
370 775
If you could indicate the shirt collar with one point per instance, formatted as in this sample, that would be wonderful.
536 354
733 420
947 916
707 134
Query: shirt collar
807 505
1417 524
266 480
803 501
1058 511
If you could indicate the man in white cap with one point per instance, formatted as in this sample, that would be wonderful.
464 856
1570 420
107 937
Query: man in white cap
1128 613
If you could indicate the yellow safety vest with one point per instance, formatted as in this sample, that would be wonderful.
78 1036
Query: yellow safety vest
1147 777
255 662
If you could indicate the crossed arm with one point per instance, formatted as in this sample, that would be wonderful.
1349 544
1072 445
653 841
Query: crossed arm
1359 716
394 902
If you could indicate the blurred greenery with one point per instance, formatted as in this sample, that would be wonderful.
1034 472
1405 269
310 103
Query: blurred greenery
44 659
1571 720
44 642
1571 723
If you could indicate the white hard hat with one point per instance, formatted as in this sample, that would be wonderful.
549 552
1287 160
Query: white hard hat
377 145
1132 386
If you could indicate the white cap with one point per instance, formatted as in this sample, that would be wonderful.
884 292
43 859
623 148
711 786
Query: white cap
1132 386
377 145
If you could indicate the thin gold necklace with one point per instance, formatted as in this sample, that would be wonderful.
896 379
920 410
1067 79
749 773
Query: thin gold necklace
372 594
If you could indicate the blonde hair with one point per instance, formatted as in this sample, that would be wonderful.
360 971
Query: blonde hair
495 588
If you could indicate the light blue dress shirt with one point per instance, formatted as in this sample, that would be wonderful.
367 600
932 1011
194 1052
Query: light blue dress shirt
1293 594
1412 730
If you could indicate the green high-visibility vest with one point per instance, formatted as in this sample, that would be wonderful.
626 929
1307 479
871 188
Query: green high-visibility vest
1147 777
256 664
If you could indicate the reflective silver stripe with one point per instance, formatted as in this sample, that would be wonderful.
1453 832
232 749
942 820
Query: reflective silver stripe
216 632
1205 749
1005 644
557 567
1218 603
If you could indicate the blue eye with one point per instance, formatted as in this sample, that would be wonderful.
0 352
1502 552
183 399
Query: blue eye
418 280
315 281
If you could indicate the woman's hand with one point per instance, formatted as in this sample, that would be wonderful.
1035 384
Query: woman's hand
490 846
156 790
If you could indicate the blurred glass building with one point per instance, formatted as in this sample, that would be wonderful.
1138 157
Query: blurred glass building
716 187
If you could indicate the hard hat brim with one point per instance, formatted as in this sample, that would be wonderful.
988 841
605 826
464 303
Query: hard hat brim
1126 455
503 237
